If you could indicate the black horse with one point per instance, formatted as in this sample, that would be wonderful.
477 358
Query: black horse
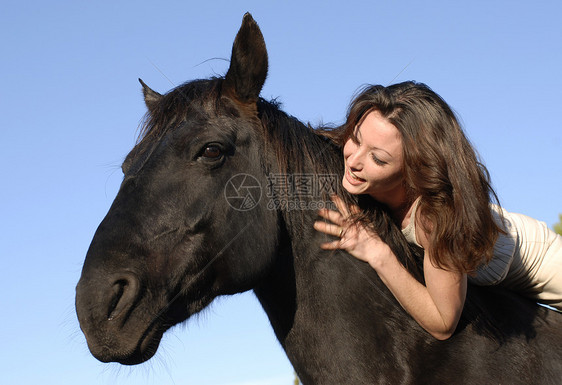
219 196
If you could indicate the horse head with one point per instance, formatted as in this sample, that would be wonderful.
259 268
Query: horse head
188 223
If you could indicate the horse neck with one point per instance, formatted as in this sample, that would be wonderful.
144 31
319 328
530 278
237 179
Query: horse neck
296 191
319 302
309 287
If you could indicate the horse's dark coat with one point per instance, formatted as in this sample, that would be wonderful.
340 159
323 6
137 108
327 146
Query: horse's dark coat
171 243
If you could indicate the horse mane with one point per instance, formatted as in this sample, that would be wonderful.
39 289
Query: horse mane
295 144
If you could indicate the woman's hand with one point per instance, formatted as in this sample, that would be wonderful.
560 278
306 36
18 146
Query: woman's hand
355 238
436 307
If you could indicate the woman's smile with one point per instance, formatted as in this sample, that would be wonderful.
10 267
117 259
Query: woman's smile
352 178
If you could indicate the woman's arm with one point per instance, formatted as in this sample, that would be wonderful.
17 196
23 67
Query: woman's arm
436 307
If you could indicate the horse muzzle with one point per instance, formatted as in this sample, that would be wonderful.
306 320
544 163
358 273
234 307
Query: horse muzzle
116 328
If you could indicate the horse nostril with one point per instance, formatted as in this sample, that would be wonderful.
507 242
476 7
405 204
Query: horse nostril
118 289
123 294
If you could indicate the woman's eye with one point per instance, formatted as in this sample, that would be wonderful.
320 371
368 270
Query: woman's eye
377 160
212 152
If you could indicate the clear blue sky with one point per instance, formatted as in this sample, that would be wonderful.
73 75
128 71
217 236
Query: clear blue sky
70 105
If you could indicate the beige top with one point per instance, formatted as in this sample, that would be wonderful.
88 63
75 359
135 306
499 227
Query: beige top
410 230
527 258
504 249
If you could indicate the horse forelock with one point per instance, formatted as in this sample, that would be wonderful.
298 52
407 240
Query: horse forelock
174 106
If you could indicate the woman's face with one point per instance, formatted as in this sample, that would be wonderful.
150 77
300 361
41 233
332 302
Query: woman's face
373 165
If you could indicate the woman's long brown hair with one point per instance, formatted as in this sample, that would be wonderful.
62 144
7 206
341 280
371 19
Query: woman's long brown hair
440 166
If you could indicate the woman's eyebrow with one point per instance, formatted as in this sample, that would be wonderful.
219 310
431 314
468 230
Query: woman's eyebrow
358 136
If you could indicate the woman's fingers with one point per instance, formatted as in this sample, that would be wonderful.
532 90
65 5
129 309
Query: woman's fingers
334 245
332 216
343 208
336 223
355 209
340 204
329 228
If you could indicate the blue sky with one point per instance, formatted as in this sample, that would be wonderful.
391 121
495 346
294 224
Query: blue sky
70 106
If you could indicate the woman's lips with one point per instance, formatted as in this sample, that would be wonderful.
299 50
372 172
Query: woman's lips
353 179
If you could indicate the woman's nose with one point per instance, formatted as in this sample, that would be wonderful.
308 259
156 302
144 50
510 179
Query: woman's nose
354 160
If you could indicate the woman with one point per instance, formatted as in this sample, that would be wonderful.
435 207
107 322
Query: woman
404 147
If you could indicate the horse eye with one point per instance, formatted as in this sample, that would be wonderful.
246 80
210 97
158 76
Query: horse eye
212 152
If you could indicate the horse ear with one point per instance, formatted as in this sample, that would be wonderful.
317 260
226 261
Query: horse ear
248 63
151 98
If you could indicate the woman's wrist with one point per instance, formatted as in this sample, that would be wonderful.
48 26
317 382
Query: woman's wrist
380 256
